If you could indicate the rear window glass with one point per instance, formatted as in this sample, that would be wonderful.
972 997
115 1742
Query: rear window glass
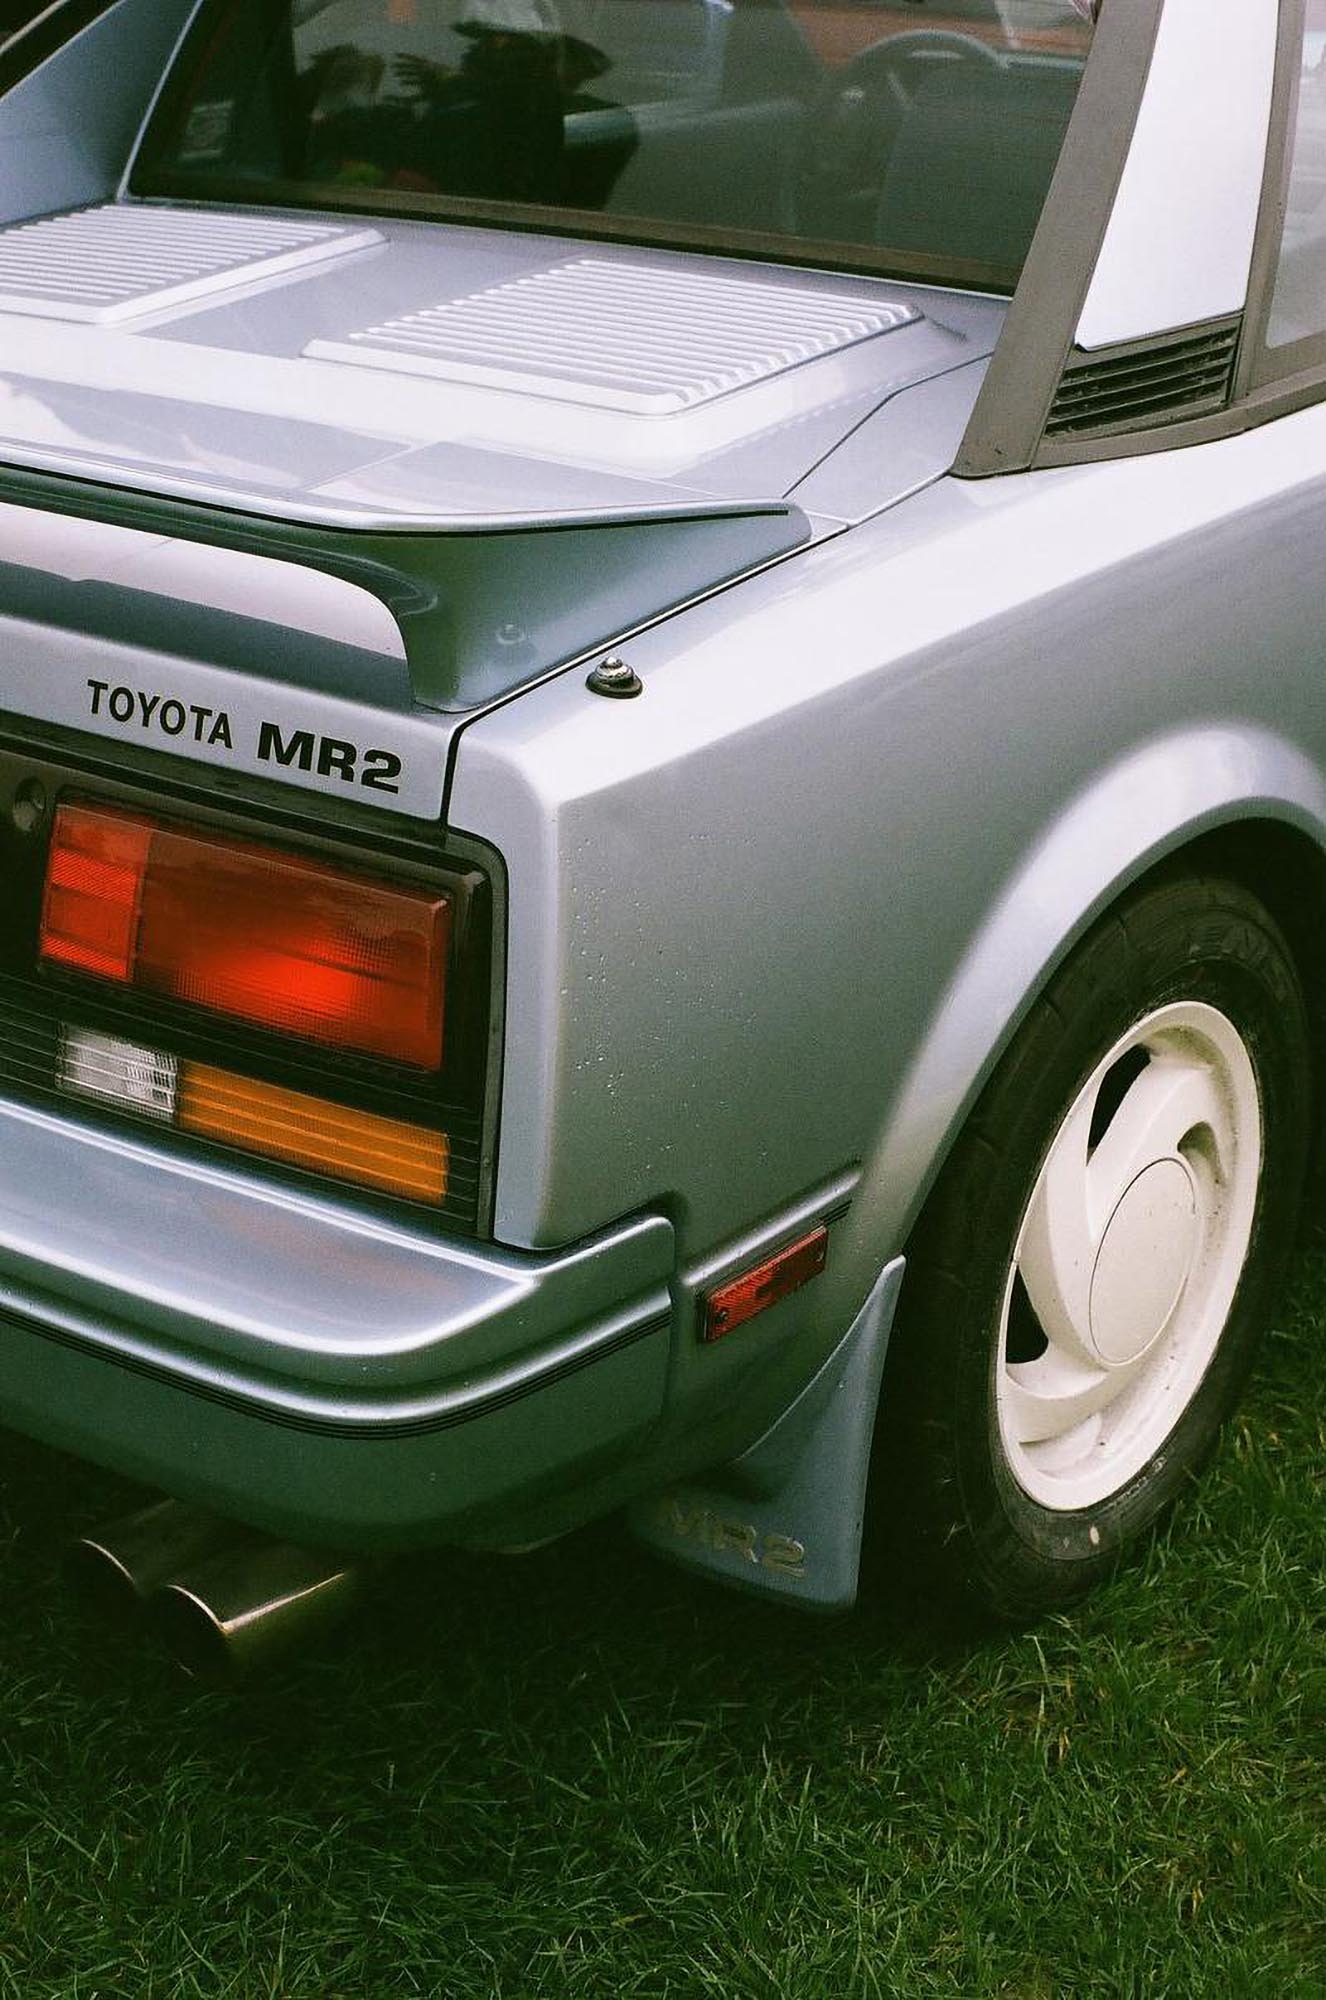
913 136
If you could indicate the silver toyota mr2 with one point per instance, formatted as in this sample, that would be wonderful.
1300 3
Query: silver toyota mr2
662 767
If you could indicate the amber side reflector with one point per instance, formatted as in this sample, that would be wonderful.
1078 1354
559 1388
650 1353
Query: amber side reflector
309 1132
272 938
755 1291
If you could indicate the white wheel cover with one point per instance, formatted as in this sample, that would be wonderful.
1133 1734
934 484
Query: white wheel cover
1130 1253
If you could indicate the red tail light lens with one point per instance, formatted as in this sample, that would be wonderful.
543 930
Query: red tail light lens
94 883
266 937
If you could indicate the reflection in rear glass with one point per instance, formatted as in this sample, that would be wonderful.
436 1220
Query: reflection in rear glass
917 135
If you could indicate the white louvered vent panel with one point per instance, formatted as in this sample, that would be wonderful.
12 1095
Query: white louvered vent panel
117 263
621 336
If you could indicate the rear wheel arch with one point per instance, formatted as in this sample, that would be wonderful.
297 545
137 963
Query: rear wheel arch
1277 861
1238 803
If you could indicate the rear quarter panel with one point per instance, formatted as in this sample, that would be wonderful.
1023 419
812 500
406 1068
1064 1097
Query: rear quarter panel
776 919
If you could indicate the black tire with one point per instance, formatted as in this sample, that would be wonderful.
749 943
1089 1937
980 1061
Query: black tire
948 1498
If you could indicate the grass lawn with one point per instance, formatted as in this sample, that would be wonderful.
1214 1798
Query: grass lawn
583 1775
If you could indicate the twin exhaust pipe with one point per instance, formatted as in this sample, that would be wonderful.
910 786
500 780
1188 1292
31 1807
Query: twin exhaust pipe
225 1600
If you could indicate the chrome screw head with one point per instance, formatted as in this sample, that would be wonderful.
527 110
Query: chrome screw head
615 678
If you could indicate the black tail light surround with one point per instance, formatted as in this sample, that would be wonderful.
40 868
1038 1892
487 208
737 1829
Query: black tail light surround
227 1064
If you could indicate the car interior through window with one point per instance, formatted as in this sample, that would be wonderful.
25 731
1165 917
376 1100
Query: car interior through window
867 133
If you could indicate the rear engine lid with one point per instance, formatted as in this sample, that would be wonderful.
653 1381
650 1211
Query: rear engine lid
523 447
425 374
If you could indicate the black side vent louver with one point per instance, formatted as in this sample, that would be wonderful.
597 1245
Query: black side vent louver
1157 383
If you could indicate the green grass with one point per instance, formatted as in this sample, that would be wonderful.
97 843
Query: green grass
584 1775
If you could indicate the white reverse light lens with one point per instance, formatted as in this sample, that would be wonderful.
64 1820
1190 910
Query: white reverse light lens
116 1072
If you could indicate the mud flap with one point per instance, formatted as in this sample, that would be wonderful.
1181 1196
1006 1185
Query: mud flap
785 1519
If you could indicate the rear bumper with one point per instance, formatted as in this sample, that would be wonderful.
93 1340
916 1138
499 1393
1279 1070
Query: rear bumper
295 1363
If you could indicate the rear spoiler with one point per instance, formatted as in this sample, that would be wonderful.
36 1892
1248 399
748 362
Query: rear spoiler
481 608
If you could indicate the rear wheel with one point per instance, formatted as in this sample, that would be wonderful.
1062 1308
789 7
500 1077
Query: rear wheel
1086 1288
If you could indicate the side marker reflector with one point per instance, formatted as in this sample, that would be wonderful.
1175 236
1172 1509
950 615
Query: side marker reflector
755 1291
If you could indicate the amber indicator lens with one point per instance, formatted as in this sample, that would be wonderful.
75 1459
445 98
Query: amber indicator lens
309 1132
756 1290
248 931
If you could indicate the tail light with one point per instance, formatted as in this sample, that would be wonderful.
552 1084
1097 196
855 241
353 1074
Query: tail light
264 939
274 939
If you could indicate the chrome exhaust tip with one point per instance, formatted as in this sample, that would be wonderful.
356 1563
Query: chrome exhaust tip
245 1607
118 1568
